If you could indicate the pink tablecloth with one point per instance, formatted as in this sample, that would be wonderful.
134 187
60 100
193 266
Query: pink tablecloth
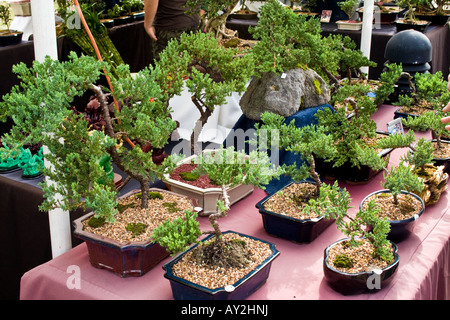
297 273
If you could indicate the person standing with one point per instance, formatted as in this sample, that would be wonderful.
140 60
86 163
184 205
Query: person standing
167 19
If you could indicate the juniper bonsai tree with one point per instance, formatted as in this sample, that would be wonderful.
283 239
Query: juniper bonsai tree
214 73
401 178
227 168
41 109
307 142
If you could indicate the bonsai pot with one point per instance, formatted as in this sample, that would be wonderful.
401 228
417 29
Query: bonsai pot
400 229
290 228
10 37
399 114
108 23
123 20
185 290
349 25
440 19
206 197
443 161
131 259
420 26
387 14
362 282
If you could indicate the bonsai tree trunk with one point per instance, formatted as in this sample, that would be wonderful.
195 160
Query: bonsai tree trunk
109 130
205 113
222 213
217 25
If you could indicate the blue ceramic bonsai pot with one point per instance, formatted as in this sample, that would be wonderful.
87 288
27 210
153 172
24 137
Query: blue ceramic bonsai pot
362 282
283 226
400 229
186 290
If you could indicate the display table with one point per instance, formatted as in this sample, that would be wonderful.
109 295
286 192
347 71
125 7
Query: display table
439 37
297 273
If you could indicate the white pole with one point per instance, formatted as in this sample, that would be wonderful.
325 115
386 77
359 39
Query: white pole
44 39
366 32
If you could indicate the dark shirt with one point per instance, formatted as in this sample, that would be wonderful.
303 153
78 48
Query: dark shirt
171 15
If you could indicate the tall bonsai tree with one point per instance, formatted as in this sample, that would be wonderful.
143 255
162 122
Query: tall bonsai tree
41 109
214 73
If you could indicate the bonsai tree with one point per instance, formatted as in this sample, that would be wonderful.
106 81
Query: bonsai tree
5 15
41 109
307 142
214 73
438 7
366 223
353 135
227 168
215 17
401 178
349 7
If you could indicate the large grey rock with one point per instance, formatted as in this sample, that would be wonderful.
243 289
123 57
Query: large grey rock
285 95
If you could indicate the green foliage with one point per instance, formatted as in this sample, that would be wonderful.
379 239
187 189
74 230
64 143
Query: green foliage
349 7
304 141
5 14
387 82
397 140
348 134
402 178
430 120
422 155
284 38
178 234
42 111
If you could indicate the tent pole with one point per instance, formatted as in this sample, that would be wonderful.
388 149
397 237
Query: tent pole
44 39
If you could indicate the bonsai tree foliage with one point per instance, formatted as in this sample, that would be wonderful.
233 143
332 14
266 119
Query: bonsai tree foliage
214 73
437 7
401 178
5 15
41 109
227 168
349 7
304 141
352 136
358 226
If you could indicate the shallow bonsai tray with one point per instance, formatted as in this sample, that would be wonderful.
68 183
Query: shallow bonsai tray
186 290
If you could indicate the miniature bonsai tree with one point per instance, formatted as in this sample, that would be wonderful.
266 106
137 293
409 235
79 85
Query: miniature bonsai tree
349 8
41 109
5 15
227 168
214 74
307 142
351 134
366 223
216 14
401 178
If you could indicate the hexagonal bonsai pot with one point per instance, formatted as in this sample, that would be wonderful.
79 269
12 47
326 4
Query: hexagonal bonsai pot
128 259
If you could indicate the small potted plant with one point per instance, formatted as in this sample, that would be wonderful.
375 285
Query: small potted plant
8 36
283 212
357 160
77 177
410 21
428 92
349 7
249 257
435 11
420 157
364 262
397 202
